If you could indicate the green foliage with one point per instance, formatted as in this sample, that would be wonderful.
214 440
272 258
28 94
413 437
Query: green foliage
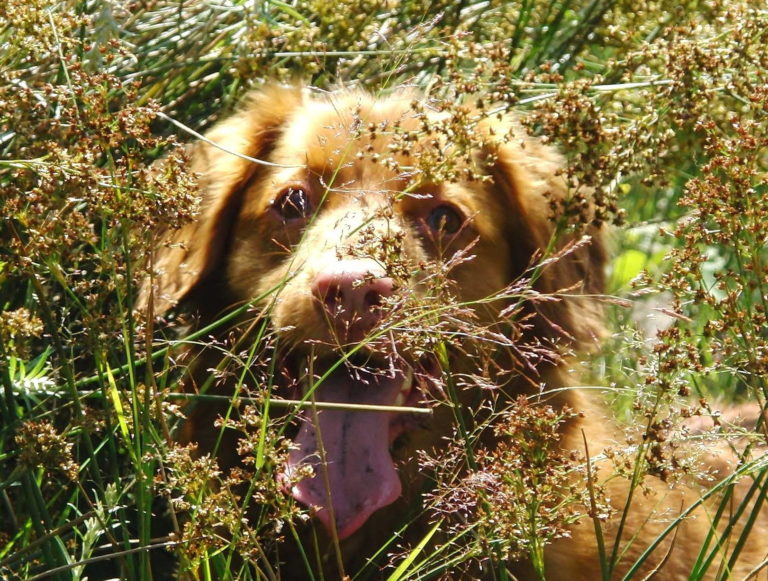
660 107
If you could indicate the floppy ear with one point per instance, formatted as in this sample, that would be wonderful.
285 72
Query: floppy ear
185 257
528 173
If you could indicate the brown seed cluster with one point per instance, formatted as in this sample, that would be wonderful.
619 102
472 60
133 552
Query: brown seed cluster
525 490
41 445
222 506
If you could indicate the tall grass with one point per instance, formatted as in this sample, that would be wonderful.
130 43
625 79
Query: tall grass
660 107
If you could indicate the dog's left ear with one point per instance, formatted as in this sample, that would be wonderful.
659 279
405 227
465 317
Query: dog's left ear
527 173
186 257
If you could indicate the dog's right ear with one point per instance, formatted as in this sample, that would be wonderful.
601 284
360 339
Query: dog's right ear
184 257
527 176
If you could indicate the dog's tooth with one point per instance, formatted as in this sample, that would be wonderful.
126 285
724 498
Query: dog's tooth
405 389
408 381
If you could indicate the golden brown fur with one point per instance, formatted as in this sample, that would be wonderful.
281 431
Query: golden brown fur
245 245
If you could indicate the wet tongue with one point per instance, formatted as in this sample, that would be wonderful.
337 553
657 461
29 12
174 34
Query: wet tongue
359 468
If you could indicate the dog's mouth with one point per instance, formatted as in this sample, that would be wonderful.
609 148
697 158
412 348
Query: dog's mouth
348 446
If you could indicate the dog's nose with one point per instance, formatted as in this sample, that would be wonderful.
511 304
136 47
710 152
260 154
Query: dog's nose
352 292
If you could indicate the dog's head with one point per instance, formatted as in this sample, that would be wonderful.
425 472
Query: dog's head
357 212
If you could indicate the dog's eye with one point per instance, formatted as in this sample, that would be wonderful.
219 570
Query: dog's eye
293 204
445 219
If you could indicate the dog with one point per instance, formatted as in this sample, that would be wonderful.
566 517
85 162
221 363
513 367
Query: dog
371 237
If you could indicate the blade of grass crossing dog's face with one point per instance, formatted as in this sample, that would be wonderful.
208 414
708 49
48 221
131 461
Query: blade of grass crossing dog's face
758 465
445 558
252 352
723 544
593 506
703 560
402 569
754 512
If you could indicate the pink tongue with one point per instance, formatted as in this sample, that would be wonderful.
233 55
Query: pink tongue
358 468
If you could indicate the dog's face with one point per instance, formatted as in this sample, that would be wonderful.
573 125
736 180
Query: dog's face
338 236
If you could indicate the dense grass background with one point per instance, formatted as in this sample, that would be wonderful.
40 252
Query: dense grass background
660 107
